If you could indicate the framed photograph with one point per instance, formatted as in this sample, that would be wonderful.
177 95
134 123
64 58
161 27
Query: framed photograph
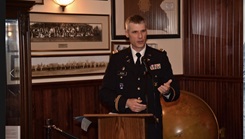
69 32
162 17
69 65
118 46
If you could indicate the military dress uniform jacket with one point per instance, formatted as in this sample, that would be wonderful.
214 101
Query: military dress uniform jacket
124 79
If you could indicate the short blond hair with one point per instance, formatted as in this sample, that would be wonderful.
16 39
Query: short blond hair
137 19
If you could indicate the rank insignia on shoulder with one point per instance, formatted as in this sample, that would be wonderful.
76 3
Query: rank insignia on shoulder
155 66
161 49
115 51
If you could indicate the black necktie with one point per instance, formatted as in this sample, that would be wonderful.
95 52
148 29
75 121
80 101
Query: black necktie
138 58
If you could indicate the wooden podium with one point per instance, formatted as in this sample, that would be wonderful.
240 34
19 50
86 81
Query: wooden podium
121 126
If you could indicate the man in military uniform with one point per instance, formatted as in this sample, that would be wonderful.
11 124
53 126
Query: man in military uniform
137 77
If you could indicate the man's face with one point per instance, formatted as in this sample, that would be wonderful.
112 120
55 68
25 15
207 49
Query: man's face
137 34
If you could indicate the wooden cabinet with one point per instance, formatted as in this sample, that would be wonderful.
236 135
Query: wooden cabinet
18 75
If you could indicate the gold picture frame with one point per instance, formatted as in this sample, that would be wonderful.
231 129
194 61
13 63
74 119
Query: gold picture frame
55 66
162 17
69 32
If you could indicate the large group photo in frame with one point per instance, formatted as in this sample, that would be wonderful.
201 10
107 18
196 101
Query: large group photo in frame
162 17
69 32
52 66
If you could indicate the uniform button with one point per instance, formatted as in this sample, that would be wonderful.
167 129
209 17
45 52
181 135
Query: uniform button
155 83
157 120
138 88
121 77
139 79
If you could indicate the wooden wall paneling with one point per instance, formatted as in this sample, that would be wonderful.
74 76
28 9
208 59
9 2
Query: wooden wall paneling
85 101
213 28
55 104
61 102
213 59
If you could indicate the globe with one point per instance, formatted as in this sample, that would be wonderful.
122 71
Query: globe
189 117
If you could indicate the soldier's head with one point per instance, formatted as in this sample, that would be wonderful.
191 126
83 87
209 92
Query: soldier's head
136 31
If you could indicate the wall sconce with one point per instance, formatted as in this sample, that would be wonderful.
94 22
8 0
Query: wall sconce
63 3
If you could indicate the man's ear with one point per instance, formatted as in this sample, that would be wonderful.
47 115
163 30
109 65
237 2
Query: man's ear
126 33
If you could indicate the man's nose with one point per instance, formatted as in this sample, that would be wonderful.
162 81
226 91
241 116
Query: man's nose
140 35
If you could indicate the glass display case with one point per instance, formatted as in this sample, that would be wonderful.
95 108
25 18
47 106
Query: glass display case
18 70
13 99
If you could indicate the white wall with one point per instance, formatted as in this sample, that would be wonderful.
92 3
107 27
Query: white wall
78 6
174 47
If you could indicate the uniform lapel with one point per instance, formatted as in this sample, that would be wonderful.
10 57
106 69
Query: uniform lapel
129 62
148 55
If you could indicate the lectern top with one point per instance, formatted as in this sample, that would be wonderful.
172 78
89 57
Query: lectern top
119 115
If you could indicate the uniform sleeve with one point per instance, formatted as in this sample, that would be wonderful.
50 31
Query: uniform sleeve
107 93
174 90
